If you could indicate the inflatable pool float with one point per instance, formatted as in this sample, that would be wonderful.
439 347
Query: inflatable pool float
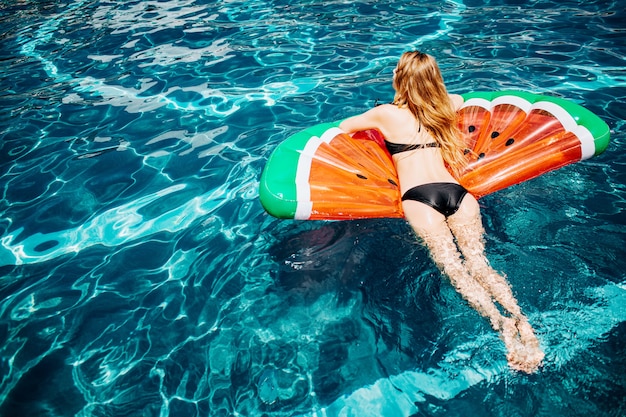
324 173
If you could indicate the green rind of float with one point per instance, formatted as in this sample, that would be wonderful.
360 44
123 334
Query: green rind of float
583 117
278 189
596 126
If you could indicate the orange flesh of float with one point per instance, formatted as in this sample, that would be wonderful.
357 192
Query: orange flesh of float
540 139
366 175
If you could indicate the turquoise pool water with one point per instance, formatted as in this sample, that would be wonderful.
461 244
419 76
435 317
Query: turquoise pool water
139 275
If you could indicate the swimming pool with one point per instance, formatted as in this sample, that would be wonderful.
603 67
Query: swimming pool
141 277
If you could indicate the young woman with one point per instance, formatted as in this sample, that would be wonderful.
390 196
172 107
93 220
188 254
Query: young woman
421 134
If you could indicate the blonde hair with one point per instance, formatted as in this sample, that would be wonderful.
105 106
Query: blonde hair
419 87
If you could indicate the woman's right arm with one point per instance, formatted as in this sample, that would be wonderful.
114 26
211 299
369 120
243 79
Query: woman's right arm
371 119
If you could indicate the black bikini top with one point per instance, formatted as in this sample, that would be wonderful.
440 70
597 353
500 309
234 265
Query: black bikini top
395 148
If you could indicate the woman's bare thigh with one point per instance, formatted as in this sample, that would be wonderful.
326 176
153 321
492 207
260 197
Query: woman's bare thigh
468 210
423 218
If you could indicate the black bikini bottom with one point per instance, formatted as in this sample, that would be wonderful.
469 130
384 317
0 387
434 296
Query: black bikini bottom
445 197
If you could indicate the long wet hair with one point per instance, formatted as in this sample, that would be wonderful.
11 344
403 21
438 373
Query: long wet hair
419 87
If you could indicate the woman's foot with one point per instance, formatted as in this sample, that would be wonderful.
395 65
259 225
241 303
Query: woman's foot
528 338
524 353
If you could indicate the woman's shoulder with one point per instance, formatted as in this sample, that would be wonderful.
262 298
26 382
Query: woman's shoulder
457 100
386 108
384 113
391 110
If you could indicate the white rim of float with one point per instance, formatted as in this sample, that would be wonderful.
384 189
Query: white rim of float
587 143
304 205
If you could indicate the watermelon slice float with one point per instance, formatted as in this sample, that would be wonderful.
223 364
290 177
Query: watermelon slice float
324 173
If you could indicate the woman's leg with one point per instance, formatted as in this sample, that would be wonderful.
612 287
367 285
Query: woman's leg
432 228
469 233
467 228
